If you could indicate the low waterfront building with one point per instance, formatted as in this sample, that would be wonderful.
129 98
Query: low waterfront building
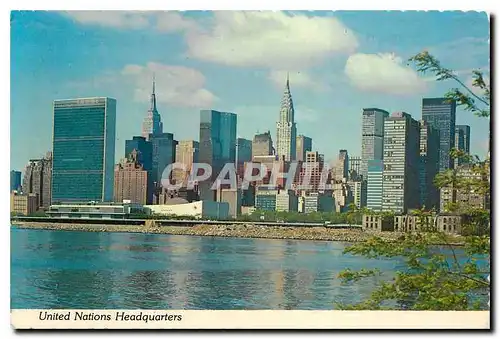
380 223
196 209
449 223
413 223
94 210
24 204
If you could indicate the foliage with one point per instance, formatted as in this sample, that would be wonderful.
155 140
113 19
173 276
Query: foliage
439 277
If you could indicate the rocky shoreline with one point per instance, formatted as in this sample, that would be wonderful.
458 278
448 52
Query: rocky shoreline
236 231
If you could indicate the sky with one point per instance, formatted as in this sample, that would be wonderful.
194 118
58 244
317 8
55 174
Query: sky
234 61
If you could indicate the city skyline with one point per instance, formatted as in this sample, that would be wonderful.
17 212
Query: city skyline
256 97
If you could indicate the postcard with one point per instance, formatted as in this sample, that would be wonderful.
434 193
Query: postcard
250 170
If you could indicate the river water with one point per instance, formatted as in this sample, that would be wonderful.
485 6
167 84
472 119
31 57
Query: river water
90 270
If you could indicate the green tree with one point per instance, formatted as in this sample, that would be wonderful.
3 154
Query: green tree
438 275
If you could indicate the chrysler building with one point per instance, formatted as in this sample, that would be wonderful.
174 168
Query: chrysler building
286 129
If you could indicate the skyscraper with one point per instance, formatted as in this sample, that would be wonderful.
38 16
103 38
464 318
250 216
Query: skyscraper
354 168
244 150
286 129
83 149
375 185
341 169
312 168
15 181
372 137
462 141
401 163
131 180
37 179
304 144
163 154
429 165
262 145
440 113
152 122
186 153
217 144
144 149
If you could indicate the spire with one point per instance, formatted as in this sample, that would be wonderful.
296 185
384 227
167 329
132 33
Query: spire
153 97
288 79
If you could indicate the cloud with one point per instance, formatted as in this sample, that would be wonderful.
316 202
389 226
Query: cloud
115 19
383 73
297 79
175 85
270 39
172 21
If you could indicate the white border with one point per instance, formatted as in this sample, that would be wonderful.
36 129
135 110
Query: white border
484 5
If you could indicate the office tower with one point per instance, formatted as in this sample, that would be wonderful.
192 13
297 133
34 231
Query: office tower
233 197
186 153
372 137
163 154
243 150
83 149
312 168
462 142
286 201
304 144
23 203
316 202
286 135
341 169
463 197
262 145
342 194
374 185
152 122
265 198
401 163
440 114
37 179
131 180
359 190
144 150
217 145
217 138
429 165
355 168
15 181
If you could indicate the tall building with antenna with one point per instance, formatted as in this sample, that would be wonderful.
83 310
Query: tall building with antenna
152 122
286 128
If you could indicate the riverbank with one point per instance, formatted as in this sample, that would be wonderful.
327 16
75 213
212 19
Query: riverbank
236 231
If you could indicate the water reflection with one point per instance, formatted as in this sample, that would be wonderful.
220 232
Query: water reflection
55 269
